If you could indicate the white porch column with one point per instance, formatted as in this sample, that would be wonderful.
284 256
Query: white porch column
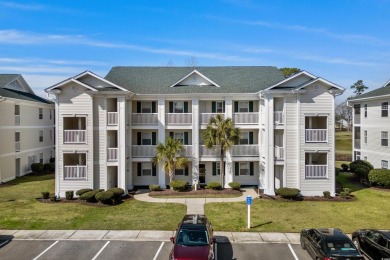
161 139
269 147
122 143
101 103
228 159
195 139
129 161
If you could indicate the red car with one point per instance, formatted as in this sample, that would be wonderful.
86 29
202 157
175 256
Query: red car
194 239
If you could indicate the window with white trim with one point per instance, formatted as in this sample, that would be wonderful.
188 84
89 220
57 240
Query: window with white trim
384 164
179 136
219 107
146 169
244 138
17 141
40 136
385 109
17 110
146 107
40 113
365 158
179 172
244 168
385 138
365 136
178 107
146 138
243 106
365 110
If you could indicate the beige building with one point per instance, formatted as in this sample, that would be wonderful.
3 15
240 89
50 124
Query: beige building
26 127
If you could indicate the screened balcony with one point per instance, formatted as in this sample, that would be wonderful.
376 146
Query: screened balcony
75 130
316 165
316 129
75 166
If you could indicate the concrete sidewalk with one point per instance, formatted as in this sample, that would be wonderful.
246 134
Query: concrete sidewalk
196 205
142 235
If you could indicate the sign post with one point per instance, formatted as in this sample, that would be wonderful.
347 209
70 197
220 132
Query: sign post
249 203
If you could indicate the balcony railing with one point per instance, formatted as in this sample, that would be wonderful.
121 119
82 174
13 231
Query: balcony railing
72 172
17 119
143 151
316 171
357 143
316 135
279 117
246 118
17 146
245 150
212 152
112 118
205 117
279 153
144 119
112 154
178 118
187 151
75 136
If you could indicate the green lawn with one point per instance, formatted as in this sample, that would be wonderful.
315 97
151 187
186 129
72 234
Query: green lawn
343 142
20 210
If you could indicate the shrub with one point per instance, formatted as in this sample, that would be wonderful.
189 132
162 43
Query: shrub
337 171
53 197
49 167
69 194
344 195
235 185
361 172
52 160
380 177
90 195
288 193
359 163
327 194
154 187
178 185
82 191
347 191
37 167
214 185
345 167
118 192
105 197
45 194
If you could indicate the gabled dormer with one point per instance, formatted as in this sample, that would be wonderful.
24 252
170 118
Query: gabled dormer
195 79
15 82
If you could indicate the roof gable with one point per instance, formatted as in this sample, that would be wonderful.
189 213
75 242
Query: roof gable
195 78
15 82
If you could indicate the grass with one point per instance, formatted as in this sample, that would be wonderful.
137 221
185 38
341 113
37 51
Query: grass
20 210
343 142
347 181
197 196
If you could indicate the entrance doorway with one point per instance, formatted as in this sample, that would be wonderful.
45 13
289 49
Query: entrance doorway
202 173
17 167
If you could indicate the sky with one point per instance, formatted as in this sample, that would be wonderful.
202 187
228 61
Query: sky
341 41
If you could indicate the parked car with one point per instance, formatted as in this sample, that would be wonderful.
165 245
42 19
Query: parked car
375 244
328 244
194 239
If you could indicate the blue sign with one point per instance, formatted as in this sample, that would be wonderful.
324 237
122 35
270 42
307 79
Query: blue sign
248 200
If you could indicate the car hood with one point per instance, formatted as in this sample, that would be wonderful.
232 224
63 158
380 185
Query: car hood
191 252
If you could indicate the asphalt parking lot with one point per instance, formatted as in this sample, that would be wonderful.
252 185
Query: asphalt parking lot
154 250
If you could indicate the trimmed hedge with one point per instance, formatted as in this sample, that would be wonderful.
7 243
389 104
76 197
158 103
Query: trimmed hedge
118 192
178 185
154 187
235 185
288 193
327 194
37 167
345 167
69 194
49 167
361 169
214 185
82 191
105 197
52 160
90 195
45 195
379 177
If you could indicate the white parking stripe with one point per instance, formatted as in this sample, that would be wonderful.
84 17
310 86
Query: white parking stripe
47 249
4 243
292 251
101 250
158 251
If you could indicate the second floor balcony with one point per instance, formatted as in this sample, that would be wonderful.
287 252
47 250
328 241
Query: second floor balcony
112 154
245 150
356 143
316 171
279 153
279 117
178 118
246 118
112 118
148 151
205 117
316 135
144 118
74 172
209 152
75 136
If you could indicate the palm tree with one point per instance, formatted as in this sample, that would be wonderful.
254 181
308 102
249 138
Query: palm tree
223 133
169 153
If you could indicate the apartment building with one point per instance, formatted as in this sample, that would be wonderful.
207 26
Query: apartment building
371 126
26 127
108 128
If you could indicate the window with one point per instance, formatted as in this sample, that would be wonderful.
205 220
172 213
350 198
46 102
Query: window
220 108
384 164
357 109
384 138
50 113
243 106
146 107
216 170
244 139
146 139
179 172
147 169
40 136
179 136
365 136
40 113
385 109
244 168
41 157
365 110
17 141
17 110
178 107
365 158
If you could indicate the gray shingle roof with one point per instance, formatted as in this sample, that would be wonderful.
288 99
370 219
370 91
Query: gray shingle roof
7 78
11 93
157 80
374 93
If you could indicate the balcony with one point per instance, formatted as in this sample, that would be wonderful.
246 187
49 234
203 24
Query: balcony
73 172
212 152
144 119
187 151
279 153
178 119
245 150
112 118
17 119
17 146
75 136
143 151
316 171
205 117
112 154
246 118
279 117
356 143
316 135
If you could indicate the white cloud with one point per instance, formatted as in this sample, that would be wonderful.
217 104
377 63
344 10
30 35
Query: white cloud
14 5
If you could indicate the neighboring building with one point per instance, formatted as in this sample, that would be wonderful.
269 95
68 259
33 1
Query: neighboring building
371 126
26 127
108 128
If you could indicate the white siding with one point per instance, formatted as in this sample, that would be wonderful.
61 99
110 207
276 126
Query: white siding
291 145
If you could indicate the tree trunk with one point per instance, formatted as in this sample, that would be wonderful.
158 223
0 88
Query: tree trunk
222 168
170 178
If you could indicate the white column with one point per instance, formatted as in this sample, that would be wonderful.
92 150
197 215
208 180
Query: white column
269 147
101 103
229 164
122 143
161 139
195 139
129 162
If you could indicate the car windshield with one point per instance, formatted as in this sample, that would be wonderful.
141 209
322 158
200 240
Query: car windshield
340 247
192 238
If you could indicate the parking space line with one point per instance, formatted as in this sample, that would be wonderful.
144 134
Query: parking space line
158 251
4 243
101 250
47 249
292 251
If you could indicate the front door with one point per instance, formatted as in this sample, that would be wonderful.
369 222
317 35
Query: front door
202 174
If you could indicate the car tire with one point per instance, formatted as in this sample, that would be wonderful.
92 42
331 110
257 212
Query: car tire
303 245
356 243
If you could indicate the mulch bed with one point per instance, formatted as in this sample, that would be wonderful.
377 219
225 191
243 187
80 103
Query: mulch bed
309 198
83 202
169 192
